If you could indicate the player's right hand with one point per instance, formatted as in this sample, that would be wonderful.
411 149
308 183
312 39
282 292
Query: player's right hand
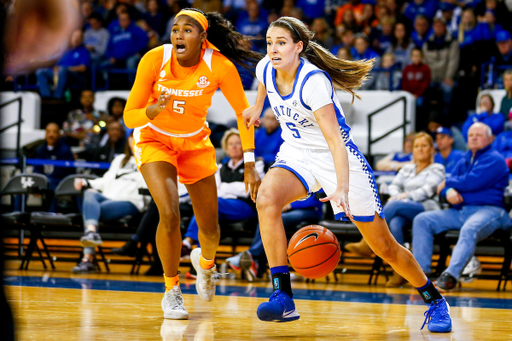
163 100
252 116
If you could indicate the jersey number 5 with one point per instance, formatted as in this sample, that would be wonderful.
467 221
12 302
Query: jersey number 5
291 126
178 107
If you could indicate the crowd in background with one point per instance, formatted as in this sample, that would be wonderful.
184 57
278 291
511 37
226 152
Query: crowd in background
432 49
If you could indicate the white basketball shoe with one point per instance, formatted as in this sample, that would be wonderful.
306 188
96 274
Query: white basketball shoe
172 305
206 278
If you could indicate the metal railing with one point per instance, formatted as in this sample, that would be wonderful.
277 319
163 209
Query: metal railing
403 126
18 123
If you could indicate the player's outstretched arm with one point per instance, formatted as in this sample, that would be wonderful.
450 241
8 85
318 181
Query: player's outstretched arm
252 114
326 118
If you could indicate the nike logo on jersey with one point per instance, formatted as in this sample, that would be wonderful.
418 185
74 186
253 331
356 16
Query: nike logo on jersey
312 234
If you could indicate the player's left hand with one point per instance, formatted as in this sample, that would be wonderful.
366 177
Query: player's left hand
340 197
252 180
252 116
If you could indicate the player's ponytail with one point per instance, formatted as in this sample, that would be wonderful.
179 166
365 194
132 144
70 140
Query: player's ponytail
235 46
345 74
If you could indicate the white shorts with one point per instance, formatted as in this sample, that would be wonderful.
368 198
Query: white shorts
315 169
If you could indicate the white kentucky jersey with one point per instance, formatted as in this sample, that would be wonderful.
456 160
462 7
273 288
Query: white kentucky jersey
312 90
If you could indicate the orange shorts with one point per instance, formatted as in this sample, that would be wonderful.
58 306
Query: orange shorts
193 157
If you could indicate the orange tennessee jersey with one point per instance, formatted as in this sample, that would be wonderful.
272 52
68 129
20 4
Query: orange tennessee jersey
191 91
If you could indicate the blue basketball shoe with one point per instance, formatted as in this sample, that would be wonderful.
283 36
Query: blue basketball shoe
438 317
279 308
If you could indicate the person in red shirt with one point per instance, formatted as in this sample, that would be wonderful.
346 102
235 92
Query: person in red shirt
416 76
416 79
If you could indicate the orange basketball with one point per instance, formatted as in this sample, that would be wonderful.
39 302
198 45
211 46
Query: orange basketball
314 251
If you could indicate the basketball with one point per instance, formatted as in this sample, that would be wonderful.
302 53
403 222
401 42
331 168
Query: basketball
314 251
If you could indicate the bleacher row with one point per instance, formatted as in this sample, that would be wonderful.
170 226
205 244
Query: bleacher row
41 228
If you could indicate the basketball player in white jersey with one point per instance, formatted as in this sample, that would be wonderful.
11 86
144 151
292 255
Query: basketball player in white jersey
318 152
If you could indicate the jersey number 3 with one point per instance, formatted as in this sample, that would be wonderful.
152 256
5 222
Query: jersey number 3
178 107
291 126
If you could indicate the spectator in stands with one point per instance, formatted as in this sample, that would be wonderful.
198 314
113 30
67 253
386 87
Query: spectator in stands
381 35
441 53
411 192
487 26
347 39
234 202
503 144
344 53
71 69
111 197
503 55
485 114
468 33
401 45
153 36
115 109
298 213
425 7
421 31
323 33
382 78
362 51
395 161
447 156
437 120
452 17
54 148
312 8
79 126
499 8
475 189
86 10
416 76
355 6
506 102
349 21
96 38
114 146
154 17
254 25
268 138
175 8
125 43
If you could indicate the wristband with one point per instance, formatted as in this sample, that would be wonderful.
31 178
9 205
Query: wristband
249 157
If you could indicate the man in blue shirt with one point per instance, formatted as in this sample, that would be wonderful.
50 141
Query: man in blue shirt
70 69
125 43
447 156
268 139
421 31
54 148
503 55
475 189
427 8
254 25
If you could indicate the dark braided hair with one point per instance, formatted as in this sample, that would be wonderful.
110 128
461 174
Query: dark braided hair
230 43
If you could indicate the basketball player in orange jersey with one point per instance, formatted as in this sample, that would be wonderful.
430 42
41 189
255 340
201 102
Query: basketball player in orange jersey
173 89
318 152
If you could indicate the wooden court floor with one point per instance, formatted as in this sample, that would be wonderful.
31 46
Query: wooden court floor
57 305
